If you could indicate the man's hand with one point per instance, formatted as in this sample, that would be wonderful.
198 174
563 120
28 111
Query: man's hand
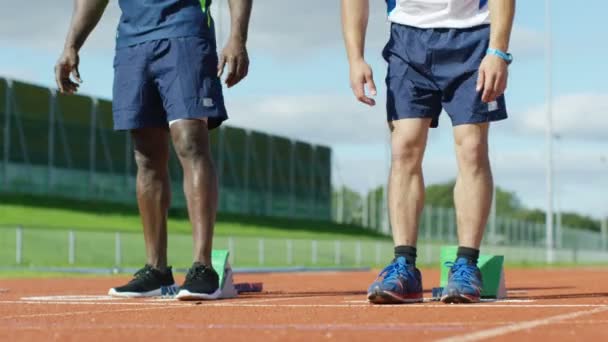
361 76
492 80
68 65
235 55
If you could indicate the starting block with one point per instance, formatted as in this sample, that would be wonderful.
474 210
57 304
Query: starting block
492 273
219 261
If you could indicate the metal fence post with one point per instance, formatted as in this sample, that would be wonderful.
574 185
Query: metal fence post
605 233
7 130
261 251
453 233
289 252
365 211
231 250
313 247
71 247
117 249
337 252
440 224
247 168
51 139
428 223
92 144
19 245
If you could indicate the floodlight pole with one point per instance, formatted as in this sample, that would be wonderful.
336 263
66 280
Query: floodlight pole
549 135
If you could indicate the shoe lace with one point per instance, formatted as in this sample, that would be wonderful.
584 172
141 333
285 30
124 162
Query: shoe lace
396 269
462 271
142 274
197 272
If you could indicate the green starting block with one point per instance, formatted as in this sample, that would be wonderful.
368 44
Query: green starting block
219 260
492 272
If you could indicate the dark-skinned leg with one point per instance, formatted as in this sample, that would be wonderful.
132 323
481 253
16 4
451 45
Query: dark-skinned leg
153 193
191 142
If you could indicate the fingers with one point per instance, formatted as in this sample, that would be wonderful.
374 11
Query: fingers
238 70
242 69
63 81
221 66
480 80
488 94
58 78
361 78
501 84
371 86
359 91
230 77
76 74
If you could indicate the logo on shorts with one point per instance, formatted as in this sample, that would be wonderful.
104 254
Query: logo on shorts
492 106
208 102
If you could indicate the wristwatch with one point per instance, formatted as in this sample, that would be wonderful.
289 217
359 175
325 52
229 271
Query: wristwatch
507 57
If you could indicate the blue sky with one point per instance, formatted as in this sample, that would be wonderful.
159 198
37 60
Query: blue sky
298 87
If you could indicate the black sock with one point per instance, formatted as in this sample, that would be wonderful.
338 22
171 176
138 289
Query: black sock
471 254
408 252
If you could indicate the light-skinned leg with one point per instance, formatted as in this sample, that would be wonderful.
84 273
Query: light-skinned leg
474 184
406 182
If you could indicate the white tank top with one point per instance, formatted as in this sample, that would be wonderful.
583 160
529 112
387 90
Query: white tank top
439 13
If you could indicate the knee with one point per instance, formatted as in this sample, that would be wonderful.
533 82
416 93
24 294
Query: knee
407 155
188 146
472 154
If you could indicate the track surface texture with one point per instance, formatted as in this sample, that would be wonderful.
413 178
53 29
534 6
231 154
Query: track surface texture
554 304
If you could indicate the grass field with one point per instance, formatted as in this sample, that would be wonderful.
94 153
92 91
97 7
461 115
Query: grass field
255 241
62 214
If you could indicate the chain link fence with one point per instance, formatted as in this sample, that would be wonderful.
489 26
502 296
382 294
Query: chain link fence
59 145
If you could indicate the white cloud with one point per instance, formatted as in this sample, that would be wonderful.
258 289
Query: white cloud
582 116
526 43
319 118
43 25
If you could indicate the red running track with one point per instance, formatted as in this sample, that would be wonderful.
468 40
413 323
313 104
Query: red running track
556 304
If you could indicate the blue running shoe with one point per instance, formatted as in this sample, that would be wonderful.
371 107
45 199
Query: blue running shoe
464 283
401 283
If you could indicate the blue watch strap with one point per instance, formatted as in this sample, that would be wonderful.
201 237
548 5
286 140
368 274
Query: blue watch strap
504 55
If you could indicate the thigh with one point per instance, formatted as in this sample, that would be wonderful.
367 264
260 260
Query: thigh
185 70
411 92
409 136
136 101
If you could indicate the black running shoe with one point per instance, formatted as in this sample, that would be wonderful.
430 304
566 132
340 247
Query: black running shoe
147 282
202 282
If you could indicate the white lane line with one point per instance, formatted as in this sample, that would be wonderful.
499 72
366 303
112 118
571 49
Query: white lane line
79 298
264 300
404 306
95 303
503 330
265 303
429 300
76 313
410 326
174 302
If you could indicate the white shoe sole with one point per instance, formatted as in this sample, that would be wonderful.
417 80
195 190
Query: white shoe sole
187 295
163 291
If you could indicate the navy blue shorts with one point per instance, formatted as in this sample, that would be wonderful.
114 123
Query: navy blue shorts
159 81
434 69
